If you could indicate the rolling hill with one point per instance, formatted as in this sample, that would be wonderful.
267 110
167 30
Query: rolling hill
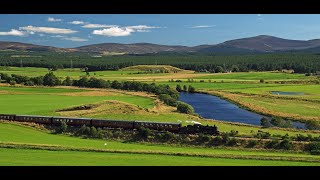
257 44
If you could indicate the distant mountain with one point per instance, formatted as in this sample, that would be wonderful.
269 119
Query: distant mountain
257 44
17 46
266 43
137 48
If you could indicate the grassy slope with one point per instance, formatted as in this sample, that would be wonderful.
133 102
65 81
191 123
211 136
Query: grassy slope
21 134
255 76
23 157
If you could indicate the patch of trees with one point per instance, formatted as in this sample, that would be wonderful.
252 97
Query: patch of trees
299 62
185 88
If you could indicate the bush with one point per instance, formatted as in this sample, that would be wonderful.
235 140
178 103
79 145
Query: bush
167 136
314 148
272 144
62 127
285 144
217 141
12 83
178 88
265 122
261 80
312 125
225 138
232 142
233 133
144 133
191 89
252 143
185 108
203 138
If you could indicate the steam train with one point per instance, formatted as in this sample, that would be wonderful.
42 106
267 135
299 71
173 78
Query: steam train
116 124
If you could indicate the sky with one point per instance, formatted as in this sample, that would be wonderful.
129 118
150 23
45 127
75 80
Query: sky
74 30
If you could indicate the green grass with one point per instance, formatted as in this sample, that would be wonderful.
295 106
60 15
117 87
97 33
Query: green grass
41 90
23 157
255 76
21 134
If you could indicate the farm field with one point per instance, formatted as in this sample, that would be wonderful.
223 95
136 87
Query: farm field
19 135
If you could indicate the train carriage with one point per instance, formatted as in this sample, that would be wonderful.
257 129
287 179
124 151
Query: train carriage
34 119
113 123
172 127
71 121
7 117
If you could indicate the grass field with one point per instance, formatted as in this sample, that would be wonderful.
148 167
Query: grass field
22 157
151 154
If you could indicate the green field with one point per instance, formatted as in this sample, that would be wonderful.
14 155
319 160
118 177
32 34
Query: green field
153 154
255 76
22 157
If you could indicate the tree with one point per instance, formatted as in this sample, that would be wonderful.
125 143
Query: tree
185 89
178 88
185 108
219 69
235 68
68 81
63 127
12 83
191 89
265 122
312 125
50 79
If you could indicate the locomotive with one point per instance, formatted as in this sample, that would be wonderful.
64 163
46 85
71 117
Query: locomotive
114 124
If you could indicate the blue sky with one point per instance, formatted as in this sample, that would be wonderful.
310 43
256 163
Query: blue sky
73 30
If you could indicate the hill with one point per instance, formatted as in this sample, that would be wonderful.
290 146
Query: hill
154 68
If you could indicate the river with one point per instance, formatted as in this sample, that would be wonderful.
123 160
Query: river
213 107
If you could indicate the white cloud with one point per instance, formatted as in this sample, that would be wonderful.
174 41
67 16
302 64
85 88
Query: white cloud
98 26
203 26
77 39
114 31
51 19
48 30
58 36
123 31
76 22
258 15
41 35
13 32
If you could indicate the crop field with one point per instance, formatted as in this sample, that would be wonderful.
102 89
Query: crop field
21 137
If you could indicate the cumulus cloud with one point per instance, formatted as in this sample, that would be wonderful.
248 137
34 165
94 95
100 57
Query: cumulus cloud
203 26
47 30
13 32
76 22
77 39
51 19
123 31
58 36
113 31
98 26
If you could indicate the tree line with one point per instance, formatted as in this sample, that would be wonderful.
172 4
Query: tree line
299 62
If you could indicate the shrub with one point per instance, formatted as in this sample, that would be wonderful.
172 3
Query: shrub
225 138
203 138
144 133
178 88
12 82
314 148
232 142
191 89
272 144
62 127
167 136
261 80
265 122
252 143
217 141
185 108
233 133
285 144
312 125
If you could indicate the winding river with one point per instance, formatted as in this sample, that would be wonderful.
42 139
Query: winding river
213 107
